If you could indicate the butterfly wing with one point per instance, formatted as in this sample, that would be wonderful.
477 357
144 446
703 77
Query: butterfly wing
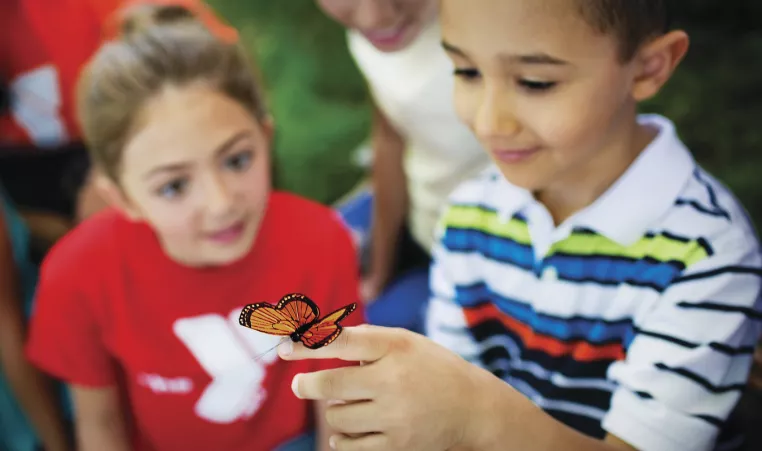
326 330
284 318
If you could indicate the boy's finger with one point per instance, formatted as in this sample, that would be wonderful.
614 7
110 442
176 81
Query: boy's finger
357 344
345 384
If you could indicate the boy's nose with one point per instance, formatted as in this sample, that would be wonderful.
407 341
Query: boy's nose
375 14
495 119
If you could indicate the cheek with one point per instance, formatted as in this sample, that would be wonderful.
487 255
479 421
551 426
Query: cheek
577 120
466 100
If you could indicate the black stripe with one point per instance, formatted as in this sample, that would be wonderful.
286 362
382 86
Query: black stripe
700 380
643 394
593 397
586 425
712 195
719 347
714 421
701 209
718 307
705 244
565 365
734 269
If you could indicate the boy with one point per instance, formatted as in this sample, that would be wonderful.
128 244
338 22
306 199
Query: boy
596 269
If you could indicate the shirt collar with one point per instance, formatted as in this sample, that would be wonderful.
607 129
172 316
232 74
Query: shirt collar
642 195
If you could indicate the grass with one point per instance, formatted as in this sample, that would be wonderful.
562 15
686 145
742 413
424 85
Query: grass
322 107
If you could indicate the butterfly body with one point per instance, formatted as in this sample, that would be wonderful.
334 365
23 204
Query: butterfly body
297 317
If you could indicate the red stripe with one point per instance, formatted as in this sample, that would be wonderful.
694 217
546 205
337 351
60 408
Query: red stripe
579 350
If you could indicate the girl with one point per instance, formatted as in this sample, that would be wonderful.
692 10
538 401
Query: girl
138 306
421 149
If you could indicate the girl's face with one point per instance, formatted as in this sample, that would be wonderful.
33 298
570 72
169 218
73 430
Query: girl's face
390 25
197 170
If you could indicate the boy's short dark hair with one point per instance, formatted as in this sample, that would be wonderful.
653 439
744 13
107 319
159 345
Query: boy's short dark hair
632 22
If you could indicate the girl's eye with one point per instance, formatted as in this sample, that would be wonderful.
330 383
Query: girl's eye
534 85
173 189
468 74
239 161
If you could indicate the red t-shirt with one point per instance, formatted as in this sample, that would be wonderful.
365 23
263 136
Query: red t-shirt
113 309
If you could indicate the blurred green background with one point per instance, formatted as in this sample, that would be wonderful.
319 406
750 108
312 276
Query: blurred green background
322 108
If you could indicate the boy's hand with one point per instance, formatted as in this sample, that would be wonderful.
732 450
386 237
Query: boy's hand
409 393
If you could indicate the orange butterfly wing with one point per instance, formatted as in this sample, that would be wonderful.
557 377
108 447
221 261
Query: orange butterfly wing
326 330
284 318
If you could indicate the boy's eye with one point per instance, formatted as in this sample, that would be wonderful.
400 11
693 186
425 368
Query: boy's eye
468 74
173 189
239 161
535 85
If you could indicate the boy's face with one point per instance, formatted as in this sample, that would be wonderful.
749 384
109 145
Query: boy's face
197 170
547 96
390 25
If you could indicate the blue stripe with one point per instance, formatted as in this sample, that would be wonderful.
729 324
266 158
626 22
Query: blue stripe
613 270
591 330
496 248
603 270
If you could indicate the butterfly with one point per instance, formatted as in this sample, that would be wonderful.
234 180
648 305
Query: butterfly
295 316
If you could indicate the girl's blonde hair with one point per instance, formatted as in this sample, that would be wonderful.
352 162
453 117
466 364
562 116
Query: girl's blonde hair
158 46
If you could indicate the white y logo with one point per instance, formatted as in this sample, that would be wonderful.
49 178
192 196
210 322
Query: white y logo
226 350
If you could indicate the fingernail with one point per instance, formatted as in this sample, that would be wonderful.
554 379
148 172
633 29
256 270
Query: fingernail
286 348
332 442
295 386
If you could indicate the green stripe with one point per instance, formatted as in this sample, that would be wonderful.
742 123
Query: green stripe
486 221
658 247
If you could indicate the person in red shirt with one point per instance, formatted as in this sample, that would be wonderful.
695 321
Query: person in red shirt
43 161
137 308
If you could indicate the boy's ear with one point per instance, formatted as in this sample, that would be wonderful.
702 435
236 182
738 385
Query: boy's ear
114 195
657 61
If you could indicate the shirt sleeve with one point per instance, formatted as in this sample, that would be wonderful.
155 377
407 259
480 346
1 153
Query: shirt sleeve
445 319
340 284
690 356
64 337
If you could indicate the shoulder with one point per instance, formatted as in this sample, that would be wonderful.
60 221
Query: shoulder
87 248
705 208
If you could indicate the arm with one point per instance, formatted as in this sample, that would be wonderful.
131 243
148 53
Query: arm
100 423
684 369
390 201
34 391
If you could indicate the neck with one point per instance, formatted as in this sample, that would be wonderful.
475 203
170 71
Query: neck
572 193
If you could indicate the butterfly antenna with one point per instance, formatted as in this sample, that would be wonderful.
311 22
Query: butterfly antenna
259 356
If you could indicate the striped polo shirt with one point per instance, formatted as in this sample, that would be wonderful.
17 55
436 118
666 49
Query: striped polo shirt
637 316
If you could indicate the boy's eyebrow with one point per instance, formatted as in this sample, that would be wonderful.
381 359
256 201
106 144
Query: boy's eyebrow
225 146
531 58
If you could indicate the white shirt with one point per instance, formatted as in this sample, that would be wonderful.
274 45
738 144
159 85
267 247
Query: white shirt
634 317
413 87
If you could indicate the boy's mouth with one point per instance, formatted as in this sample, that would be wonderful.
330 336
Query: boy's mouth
513 156
228 234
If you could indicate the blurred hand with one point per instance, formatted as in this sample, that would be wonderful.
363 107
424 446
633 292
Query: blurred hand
755 378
